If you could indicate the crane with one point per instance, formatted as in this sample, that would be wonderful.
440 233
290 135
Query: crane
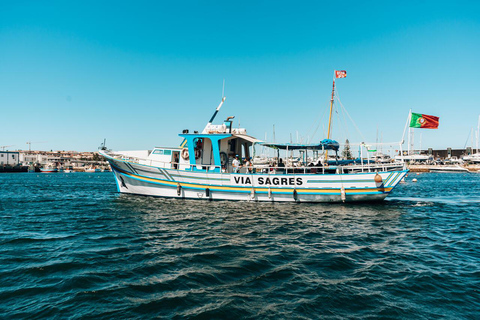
3 147
30 144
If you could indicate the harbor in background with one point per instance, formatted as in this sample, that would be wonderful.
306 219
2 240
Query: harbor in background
51 161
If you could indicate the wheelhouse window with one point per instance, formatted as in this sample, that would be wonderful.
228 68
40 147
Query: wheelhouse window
163 152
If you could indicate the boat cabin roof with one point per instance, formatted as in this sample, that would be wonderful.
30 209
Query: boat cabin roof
169 148
325 144
219 136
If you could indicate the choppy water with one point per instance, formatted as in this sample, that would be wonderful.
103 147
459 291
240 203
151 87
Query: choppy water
70 247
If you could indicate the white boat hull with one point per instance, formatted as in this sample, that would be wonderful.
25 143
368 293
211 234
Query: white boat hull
449 169
134 178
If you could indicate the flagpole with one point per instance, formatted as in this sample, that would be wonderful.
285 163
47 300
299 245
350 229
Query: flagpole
412 136
403 136
409 119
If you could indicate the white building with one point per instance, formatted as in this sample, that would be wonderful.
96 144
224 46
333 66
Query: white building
10 158
31 158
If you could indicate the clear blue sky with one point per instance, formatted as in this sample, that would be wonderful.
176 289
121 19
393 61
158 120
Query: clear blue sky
75 72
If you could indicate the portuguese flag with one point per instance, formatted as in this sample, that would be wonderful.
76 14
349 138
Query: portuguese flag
424 121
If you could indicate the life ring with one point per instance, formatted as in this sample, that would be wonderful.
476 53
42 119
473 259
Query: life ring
185 154
198 154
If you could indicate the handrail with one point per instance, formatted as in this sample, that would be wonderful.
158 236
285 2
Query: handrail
259 167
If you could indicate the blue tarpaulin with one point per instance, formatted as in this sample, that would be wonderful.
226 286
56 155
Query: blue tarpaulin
325 144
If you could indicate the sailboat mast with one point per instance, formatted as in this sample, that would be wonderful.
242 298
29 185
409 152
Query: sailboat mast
331 110
330 117
478 131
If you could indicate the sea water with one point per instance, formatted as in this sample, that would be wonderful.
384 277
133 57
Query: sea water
72 247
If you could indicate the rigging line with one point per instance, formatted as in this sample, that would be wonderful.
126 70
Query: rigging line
354 124
343 120
468 138
318 125
318 122
342 110
343 123
339 122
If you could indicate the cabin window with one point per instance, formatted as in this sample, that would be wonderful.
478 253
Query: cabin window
164 152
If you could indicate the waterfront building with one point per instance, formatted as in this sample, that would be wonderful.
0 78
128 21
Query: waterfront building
9 158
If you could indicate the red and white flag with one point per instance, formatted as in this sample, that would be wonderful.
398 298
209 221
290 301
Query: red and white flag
340 74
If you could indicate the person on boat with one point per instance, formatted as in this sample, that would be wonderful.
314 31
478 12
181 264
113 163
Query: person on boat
281 166
248 165
175 161
236 164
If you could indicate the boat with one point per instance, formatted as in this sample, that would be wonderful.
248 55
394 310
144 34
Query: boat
205 166
415 158
68 169
444 169
92 169
382 158
473 158
50 168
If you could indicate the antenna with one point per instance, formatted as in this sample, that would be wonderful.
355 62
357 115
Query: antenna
216 110
103 145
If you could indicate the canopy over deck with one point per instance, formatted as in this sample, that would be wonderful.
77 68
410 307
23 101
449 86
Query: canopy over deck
325 144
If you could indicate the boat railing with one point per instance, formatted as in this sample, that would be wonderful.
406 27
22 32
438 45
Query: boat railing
266 168
340 169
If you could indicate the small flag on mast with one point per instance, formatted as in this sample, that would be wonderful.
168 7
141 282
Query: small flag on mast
340 74
423 121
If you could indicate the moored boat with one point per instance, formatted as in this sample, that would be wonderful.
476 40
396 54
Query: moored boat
50 168
440 168
473 158
208 165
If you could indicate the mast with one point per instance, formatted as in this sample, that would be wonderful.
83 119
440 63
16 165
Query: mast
331 110
478 131
330 116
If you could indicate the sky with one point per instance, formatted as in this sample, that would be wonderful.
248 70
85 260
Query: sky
137 73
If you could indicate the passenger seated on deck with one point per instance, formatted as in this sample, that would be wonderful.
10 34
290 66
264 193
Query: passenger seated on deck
281 166
319 166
